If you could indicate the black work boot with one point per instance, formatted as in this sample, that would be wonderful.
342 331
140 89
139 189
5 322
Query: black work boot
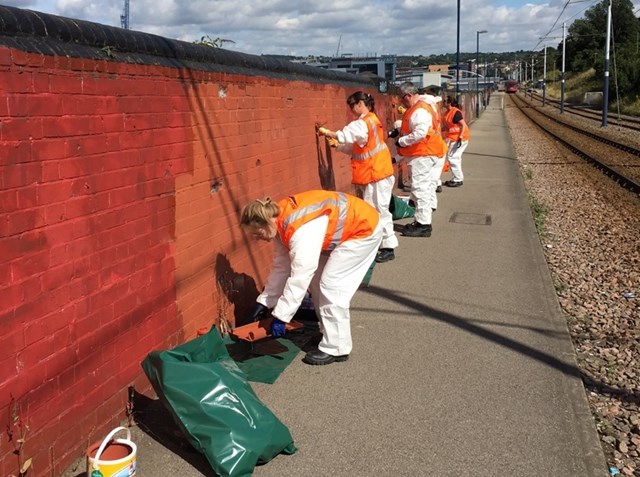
384 255
416 229
319 358
453 183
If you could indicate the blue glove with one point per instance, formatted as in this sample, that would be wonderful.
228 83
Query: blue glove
259 312
398 143
278 328
394 133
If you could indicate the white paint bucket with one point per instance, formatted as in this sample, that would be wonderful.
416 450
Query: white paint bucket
112 457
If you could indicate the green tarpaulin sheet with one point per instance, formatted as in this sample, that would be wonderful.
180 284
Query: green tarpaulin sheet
367 278
266 360
400 209
216 408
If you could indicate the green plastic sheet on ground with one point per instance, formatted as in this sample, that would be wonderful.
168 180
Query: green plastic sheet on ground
216 408
400 209
266 360
367 277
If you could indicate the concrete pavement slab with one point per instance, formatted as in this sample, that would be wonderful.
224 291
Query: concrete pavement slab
462 363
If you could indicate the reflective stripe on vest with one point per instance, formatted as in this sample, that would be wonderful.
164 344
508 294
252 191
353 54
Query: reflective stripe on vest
379 146
432 145
453 130
335 237
371 162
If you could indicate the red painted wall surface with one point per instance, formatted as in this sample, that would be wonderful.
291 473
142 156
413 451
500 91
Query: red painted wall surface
120 190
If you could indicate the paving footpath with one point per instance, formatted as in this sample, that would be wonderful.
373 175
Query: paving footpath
462 364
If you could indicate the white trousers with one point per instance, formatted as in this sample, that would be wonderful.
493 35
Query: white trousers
405 172
336 280
424 174
454 155
437 172
378 194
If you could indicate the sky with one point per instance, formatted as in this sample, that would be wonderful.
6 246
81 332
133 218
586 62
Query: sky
329 27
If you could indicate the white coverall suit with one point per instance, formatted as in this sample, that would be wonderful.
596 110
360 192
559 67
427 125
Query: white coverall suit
424 169
378 193
454 156
435 103
332 278
455 152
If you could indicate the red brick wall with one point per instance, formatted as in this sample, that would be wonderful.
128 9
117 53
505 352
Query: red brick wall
120 189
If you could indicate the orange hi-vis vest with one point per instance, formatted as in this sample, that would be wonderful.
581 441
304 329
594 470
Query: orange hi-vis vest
436 110
432 144
453 130
349 217
372 162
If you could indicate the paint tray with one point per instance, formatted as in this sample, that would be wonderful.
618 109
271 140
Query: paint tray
259 330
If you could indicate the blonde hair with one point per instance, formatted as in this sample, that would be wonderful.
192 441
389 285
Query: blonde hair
259 212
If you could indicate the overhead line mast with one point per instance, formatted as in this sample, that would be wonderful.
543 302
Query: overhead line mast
124 18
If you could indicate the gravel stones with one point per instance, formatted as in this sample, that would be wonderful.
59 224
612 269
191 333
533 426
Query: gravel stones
591 238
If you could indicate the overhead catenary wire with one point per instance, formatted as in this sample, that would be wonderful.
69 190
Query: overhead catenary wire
569 2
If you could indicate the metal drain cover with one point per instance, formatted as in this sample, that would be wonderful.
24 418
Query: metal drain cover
471 219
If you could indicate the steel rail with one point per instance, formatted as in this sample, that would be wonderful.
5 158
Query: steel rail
609 171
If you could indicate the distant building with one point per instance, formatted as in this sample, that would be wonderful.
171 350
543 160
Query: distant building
309 61
383 66
380 66
424 76
439 69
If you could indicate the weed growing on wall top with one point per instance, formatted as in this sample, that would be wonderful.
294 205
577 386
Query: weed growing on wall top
207 41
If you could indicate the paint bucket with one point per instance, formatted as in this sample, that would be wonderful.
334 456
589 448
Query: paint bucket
112 457
404 198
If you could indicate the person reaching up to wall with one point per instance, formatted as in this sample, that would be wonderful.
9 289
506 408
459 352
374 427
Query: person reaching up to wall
371 164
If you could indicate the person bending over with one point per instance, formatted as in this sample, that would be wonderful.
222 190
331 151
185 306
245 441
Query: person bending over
324 242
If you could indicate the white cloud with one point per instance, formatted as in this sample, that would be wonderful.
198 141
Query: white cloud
301 27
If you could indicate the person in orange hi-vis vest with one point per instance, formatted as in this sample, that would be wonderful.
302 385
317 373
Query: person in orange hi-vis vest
431 96
419 142
371 164
457 138
325 242
404 172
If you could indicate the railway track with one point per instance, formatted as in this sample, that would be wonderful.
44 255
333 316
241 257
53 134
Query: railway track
617 160
589 232
626 122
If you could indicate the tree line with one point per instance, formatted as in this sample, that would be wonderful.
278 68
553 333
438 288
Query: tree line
585 49
586 39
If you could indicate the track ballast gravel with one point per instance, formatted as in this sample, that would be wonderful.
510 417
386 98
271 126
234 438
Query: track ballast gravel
590 232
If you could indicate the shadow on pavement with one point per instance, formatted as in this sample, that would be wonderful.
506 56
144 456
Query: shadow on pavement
155 420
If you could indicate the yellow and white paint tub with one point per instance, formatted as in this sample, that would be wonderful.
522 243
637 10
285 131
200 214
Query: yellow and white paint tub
112 457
